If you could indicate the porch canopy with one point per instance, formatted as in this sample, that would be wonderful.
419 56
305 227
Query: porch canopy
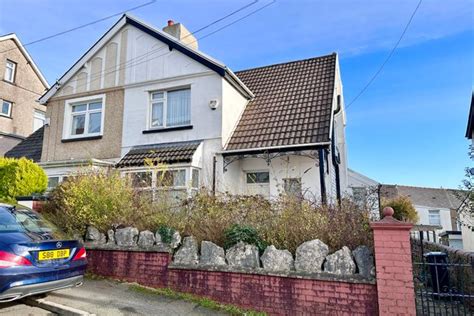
165 153
291 113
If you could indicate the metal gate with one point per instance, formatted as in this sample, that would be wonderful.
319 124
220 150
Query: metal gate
444 282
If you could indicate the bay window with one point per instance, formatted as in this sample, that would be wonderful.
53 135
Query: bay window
84 117
178 181
170 108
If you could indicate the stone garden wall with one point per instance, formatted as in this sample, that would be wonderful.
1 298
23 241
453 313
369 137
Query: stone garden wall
315 281
274 293
310 282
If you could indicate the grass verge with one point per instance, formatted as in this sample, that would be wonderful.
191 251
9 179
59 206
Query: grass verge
200 301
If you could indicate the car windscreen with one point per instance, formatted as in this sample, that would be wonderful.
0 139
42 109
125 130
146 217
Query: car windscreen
26 221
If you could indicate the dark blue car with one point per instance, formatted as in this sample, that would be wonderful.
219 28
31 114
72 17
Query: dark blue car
35 257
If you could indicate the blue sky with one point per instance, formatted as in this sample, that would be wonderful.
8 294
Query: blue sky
407 128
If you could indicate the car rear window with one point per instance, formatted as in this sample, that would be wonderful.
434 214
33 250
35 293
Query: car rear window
25 221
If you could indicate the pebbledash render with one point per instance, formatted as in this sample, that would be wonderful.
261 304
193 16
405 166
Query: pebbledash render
151 104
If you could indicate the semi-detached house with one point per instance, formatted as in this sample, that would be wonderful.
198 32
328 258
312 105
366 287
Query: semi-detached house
142 96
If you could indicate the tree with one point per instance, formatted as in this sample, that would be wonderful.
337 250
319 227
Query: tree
403 209
465 211
20 177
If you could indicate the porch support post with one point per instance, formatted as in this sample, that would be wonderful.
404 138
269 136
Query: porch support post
322 178
393 265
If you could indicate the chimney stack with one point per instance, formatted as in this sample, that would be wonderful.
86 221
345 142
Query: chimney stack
178 31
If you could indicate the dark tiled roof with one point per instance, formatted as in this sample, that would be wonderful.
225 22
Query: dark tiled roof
292 104
430 197
30 147
159 153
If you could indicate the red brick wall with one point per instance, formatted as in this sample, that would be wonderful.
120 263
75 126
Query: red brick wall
273 294
396 295
278 295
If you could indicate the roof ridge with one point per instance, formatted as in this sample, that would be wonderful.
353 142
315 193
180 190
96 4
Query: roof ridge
286 62
418 187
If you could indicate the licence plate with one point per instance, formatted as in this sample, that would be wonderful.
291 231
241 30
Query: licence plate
53 254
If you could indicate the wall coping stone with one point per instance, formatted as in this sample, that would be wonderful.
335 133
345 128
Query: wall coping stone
114 247
322 276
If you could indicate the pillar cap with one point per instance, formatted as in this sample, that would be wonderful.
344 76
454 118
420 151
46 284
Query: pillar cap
389 222
388 211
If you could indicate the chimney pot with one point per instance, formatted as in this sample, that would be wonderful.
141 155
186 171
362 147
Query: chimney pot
170 22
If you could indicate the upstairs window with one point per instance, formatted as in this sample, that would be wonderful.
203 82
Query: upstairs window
10 69
434 217
39 119
170 108
84 118
6 109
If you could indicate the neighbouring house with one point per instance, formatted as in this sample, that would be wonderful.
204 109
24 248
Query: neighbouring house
436 207
364 191
21 85
150 103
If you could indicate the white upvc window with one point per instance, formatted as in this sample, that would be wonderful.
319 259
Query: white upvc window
10 69
174 178
55 180
434 217
170 108
39 118
84 117
177 179
258 183
6 109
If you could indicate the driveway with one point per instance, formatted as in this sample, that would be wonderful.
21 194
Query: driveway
106 297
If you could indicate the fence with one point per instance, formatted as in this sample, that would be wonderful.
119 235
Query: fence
443 277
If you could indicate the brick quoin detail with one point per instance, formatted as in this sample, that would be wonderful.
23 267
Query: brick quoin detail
276 295
395 289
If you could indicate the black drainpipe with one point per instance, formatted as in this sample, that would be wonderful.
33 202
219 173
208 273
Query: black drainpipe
322 176
336 168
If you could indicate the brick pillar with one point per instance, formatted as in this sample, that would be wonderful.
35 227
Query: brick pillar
393 264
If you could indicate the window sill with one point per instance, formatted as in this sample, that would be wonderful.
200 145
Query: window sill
6 116
167 129
78 139
9 82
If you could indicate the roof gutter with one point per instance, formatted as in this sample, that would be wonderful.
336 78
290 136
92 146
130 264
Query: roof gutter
275 148
76 163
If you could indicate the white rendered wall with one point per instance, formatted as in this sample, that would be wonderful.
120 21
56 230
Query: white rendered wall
233 181
206 122
233 106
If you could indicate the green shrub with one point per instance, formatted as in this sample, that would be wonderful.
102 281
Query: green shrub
97 198
106 199
403 209
166 233
20 177
247 234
